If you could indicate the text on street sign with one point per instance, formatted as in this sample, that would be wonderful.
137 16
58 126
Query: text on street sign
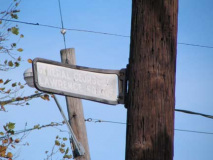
80 82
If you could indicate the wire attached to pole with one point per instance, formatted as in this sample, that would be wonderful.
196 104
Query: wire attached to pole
194 113
63 30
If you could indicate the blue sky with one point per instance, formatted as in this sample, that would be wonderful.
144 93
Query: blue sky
194 73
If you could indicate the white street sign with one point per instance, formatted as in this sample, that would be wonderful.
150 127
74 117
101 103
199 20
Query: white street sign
80 82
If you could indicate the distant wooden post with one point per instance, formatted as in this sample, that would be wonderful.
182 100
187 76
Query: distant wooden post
75 109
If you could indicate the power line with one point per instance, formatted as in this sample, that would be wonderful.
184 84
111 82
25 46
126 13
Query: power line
177 110
53 124
196 45
62 24
99 121
70 29
181 130
97 32
30 23
194 113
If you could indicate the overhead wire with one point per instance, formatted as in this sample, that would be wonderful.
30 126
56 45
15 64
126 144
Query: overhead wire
196 45
114 122
98 121
94 121
70 29
194 113
200 132
96 32
62 24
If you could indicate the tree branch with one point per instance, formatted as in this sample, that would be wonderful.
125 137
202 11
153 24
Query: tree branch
52 124
18 99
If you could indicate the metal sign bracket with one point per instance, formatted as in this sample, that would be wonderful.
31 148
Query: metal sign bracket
122 86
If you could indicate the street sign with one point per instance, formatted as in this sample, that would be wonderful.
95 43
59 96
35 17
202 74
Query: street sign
105 86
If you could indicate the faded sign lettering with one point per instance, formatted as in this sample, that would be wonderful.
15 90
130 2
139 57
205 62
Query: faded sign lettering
96 85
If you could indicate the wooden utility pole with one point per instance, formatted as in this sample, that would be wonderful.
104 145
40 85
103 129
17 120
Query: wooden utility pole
75 109
152 65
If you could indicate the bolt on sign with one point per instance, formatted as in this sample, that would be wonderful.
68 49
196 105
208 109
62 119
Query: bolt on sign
105 86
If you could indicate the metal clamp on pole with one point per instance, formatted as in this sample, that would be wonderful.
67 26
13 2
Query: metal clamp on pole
122 86
78 149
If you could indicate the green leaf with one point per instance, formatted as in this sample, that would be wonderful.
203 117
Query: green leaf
15 30
13 44
0 21
67 150
5 62
64 139
11 131
63 145
2 107
5 128
1 133
19 58
14 84
7 81
21 87
17 64
19 99
67 156
5 141
57 143
15 11
21 36
20 50
36 126
10 63
15 16
11 125
61 150
9 155
45 97
8 91
30 61
3 150
17 140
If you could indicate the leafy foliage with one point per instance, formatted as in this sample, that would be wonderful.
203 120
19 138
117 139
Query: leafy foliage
11 139
8 143
10 89
59 147
7 48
